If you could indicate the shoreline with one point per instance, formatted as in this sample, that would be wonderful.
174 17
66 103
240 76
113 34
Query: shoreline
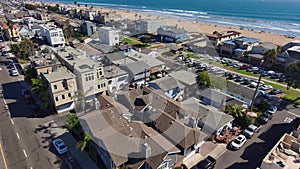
187 24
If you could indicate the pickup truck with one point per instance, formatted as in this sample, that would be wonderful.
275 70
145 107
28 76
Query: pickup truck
251 129
208 163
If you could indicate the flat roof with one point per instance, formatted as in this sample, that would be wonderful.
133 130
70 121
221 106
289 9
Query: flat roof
58 75
149 60
184 76
113 71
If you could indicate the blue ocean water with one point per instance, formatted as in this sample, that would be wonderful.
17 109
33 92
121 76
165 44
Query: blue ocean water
277 16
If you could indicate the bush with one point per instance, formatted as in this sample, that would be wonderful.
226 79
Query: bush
244 121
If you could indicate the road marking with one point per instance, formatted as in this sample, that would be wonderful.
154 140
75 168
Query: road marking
6 106
288 120
25 153
293 113
4 101
12 121
18 136
4 161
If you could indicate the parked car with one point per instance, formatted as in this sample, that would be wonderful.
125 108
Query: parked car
276 91
264 118
244 67
239 79
251 129
266 87
273 108
282 79
4 51
14 72
249 69
60 146
246 81
238 142
253 84
265 73
208 163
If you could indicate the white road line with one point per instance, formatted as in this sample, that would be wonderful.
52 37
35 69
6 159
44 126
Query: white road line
12 121
4 101
6 106
25 153
31 168
293 113
18 136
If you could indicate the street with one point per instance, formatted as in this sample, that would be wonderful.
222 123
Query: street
25 144
253 152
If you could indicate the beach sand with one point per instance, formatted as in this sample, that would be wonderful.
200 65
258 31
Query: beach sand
191 26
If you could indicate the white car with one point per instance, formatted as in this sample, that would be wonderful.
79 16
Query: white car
14 72
266 87
60 146
238 142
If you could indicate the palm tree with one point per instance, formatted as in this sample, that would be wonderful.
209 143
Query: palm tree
271 55
203 80
72 122
234 110
83 144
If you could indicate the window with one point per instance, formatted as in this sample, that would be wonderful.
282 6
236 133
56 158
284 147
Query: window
56 98
63 96
65 84
55 87
99 86
69 95
89 76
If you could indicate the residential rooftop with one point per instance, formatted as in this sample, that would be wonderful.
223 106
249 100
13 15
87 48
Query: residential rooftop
113 71
149 60
247 39
184 77
58 75
223 34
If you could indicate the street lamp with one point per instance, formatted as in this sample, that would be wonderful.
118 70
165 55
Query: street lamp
258 83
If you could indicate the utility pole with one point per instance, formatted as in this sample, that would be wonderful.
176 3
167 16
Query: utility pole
258 83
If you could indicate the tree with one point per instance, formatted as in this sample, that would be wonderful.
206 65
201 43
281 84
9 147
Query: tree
29 73
37 85
83 144
271 56
146 39
203 80
72 122
234 110
23 49
292 74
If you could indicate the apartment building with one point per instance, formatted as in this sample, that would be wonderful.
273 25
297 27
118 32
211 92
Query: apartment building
53 35
217 38
62 88
142 26
89 73
172 34
109 36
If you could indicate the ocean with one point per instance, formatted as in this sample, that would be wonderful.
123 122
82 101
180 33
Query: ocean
276 16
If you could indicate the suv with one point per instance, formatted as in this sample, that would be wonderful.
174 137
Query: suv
251 129
208 163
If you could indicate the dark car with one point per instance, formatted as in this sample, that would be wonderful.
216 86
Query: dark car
274 76
208 163
239 79
264 118
244 67
281 80
249 70
246 82
265 73
276 91
257 71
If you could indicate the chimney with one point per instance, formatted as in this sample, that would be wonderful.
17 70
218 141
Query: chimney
146 150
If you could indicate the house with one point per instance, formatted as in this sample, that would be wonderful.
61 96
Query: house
167 117
89 73
44 63
143 26
43 16
12 18
116 58
53 35
62 88
139 72
90 15
218 98
217 38
103 48
116 77
11 33
121 143
255 59
289 56
155 65
284 154
168 85
172 34
210 119
32 21
109 36
25 32
188 79
106 17
263 47
88 28
238 47
124 48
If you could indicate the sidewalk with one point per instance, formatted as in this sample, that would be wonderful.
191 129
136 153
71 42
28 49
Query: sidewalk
82 157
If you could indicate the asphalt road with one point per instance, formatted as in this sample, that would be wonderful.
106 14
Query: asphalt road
23 144
253 152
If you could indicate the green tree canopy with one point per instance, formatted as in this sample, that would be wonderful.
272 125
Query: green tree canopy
83 144
234 110
271 55
23 49
203 80
72 121
146 39
292 73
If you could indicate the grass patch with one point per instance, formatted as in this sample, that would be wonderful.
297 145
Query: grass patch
290 94
131 41
156 46
23 61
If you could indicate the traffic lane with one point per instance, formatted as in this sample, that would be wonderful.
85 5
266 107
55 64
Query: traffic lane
256 148
14 154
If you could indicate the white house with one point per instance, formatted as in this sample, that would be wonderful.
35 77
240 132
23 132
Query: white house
109 35
116 77
53 35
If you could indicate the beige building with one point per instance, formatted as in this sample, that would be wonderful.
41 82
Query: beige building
62 88
285 154
11 32
217 38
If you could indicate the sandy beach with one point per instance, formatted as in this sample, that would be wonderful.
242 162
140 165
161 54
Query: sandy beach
191 26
